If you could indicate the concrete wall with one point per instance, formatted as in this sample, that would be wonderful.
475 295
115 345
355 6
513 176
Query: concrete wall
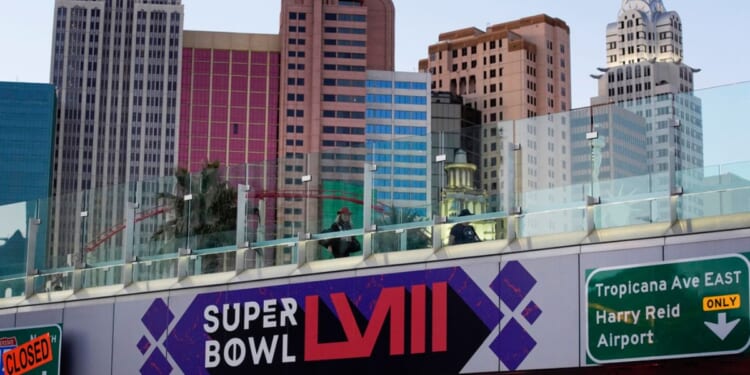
514 311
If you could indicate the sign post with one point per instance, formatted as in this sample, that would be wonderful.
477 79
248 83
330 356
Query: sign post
685 308
31 349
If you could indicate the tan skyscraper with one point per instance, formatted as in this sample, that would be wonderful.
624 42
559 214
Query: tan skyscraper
326 49
116 65
511 71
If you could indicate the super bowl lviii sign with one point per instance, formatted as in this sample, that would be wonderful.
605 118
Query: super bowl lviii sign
434 321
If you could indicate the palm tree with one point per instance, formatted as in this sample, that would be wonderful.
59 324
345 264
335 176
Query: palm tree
209 218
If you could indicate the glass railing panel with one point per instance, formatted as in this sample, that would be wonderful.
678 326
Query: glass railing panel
500 170
442 230
713 203
102 276
658 115
62 260
739 173
212 240
401 188
544 223
712 178
156 222
12 286
555 198
285 199
262 198
155 269
545 156
589 158
192 211
256 184
213 261
400 229
714 190
259 257
258 223
338 194
102 220
335 244
65 214
157 227
272 253
456 149
721 111
397 238
489 226
14 241
634 188
639 210
632 201
53 282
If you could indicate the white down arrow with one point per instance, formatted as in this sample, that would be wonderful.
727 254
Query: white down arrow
722 328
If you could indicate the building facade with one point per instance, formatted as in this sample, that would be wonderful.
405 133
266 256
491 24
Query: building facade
607 142
116 64
230 112
230 99
459 192
454 126
398 140
646 74
27 123
326 49
511 71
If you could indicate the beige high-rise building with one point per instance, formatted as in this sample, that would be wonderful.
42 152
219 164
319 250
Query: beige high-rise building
510 71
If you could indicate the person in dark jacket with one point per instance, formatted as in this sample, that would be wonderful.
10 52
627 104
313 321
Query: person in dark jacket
462 232
342 246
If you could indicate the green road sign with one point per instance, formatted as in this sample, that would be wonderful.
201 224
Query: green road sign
21 363
685 308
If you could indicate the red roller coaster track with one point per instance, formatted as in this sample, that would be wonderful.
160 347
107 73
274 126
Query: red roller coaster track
103 237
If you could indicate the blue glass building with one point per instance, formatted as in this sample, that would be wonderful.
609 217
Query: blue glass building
398 139
27 125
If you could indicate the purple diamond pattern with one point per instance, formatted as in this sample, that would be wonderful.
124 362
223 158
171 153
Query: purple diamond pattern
143 345
513 345
512 284
157 364
531 312
157 318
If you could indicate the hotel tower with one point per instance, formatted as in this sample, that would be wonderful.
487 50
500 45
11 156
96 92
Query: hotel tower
116 66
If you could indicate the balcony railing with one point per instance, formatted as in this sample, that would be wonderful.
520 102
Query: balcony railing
662 166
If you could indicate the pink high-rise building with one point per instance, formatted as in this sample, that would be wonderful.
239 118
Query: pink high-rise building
230 99
230 112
